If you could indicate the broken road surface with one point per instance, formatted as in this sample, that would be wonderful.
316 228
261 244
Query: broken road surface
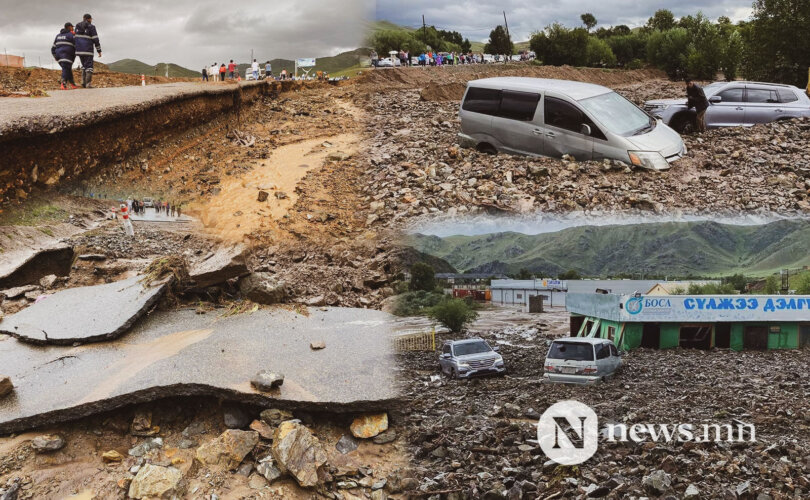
181 353
84 314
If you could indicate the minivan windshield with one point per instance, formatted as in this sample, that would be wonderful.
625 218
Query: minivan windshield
471 348
572 351
618 115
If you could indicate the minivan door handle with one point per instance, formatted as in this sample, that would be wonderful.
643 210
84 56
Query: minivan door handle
537 131
739 108
550 134
779 110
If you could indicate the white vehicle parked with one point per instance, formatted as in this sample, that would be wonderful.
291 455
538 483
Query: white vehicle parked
581 360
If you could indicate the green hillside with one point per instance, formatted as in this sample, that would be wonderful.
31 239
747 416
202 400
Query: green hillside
135 67
332 64
672 248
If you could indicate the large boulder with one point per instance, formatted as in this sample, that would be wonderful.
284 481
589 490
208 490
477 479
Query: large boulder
263 288
368 426
48 443
228 450
298 453
224 264
153 481
266 381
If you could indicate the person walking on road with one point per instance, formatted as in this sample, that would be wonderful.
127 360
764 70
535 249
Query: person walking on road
205 74
222 72
86 39
64 51
231 69
255 68
268 70
696 98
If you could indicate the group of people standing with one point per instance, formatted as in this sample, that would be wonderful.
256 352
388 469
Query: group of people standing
161 207
222 72
75 41
218 73
431 58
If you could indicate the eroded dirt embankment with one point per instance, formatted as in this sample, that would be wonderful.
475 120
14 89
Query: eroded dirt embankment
45 151
448 83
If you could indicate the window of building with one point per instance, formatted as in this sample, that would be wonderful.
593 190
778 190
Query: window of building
611 333
520 295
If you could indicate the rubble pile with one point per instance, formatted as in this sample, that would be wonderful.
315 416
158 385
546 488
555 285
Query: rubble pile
478 438
416 168
188 451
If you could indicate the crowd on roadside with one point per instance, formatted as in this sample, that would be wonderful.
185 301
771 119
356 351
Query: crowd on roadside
431 58
167 208
230 72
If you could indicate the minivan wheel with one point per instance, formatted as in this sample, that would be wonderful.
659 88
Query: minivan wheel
487 148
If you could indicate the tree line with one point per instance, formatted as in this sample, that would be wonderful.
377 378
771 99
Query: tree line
766 47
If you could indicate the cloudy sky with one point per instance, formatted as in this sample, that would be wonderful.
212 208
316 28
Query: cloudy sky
191 33
476 18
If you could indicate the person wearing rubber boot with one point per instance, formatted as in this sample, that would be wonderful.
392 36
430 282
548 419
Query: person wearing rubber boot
64 51
86 39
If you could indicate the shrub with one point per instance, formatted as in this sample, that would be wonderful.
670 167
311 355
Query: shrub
416 303
453 313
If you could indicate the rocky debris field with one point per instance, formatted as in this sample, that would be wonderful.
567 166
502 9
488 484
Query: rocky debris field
199 448
478 439
416 168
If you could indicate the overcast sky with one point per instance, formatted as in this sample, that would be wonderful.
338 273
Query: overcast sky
476 18
191 33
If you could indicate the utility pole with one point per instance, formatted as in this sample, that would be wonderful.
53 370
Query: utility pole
424 30
508 38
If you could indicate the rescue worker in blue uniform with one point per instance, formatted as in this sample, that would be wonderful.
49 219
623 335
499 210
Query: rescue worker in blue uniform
86 39
64 51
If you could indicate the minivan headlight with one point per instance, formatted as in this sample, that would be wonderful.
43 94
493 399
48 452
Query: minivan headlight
648 159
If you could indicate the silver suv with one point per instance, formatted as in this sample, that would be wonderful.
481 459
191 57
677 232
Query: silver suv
735 103
470 357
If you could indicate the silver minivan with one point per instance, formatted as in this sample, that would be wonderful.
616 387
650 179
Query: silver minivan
537 116
581 360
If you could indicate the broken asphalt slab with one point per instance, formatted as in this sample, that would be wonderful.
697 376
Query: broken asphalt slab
219 266
180 353
30 267
84 314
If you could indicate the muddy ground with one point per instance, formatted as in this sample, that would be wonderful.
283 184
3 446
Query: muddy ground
478 439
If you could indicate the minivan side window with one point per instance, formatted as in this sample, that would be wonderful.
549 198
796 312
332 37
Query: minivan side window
446 349
731 95
518 105
559 113
613 350
485 101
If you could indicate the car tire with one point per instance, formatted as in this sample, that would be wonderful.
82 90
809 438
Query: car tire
683 124
487 148
453 373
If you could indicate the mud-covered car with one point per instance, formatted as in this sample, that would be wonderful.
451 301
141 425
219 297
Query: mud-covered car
581 360
734 104
470 357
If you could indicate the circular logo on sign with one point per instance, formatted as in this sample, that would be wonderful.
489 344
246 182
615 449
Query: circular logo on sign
568 432
633 305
